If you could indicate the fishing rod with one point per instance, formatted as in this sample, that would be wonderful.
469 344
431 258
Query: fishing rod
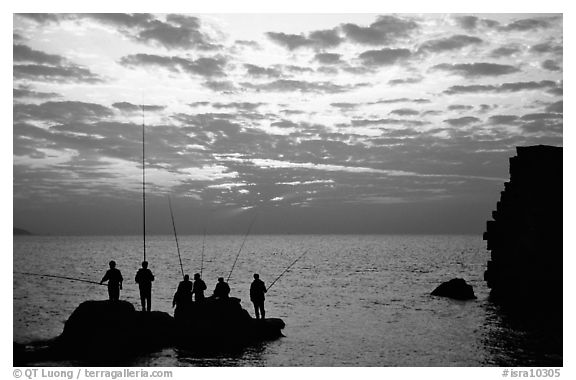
240 250
143 185
286 270
176 236
62 277
202 259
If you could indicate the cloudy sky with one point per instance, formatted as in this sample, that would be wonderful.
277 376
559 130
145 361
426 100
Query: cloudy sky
347 123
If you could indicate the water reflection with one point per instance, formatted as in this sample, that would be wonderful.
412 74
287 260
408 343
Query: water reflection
522 336
251 355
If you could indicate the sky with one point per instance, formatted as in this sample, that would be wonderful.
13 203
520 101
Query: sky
302 123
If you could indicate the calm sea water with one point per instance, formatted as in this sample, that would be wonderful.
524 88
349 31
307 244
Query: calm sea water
351 301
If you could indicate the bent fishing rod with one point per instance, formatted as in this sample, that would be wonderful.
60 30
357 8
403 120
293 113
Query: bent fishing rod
61 277
176 237
286 270
240 250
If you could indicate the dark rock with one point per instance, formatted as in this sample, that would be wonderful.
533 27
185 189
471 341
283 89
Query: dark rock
526 236
223 322
456 288
115 327
103 332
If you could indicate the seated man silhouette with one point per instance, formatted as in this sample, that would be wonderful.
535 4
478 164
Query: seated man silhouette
222 289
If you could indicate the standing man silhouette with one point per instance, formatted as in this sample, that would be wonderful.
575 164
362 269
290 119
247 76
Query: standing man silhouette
183 296
114 278
144 278
198 288
257 290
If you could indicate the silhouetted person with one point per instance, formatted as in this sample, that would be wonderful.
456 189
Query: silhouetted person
198 288
222 290
183 296
144 278
114 278
257 290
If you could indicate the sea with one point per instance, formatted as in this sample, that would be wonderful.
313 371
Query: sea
350 301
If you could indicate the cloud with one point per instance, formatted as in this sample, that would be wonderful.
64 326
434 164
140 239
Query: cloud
483 108
473 22
175 32
369 122
395 82
206 67
432 113
547 47
329 58
479 69
505 51
320 39
404 112
325 38
258 71
502 119
61 112
384 57
557 91
401 100
250 44
527 25
502 88
459 107
385 30
70 73
290 41
285 124
118 20
549 121
129 107
179 32
544 122
220 86
17 37
541 116
42 18
245 106
462 121
41 66
551 65
198 104
557 107
23 53
345 106
286 85
456 42
292 112
26 92
294 69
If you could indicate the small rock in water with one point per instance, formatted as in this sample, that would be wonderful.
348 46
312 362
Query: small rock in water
456 288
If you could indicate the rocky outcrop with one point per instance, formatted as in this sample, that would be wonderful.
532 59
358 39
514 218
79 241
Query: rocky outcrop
217 322
525 237
115 327
106 331
456 288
